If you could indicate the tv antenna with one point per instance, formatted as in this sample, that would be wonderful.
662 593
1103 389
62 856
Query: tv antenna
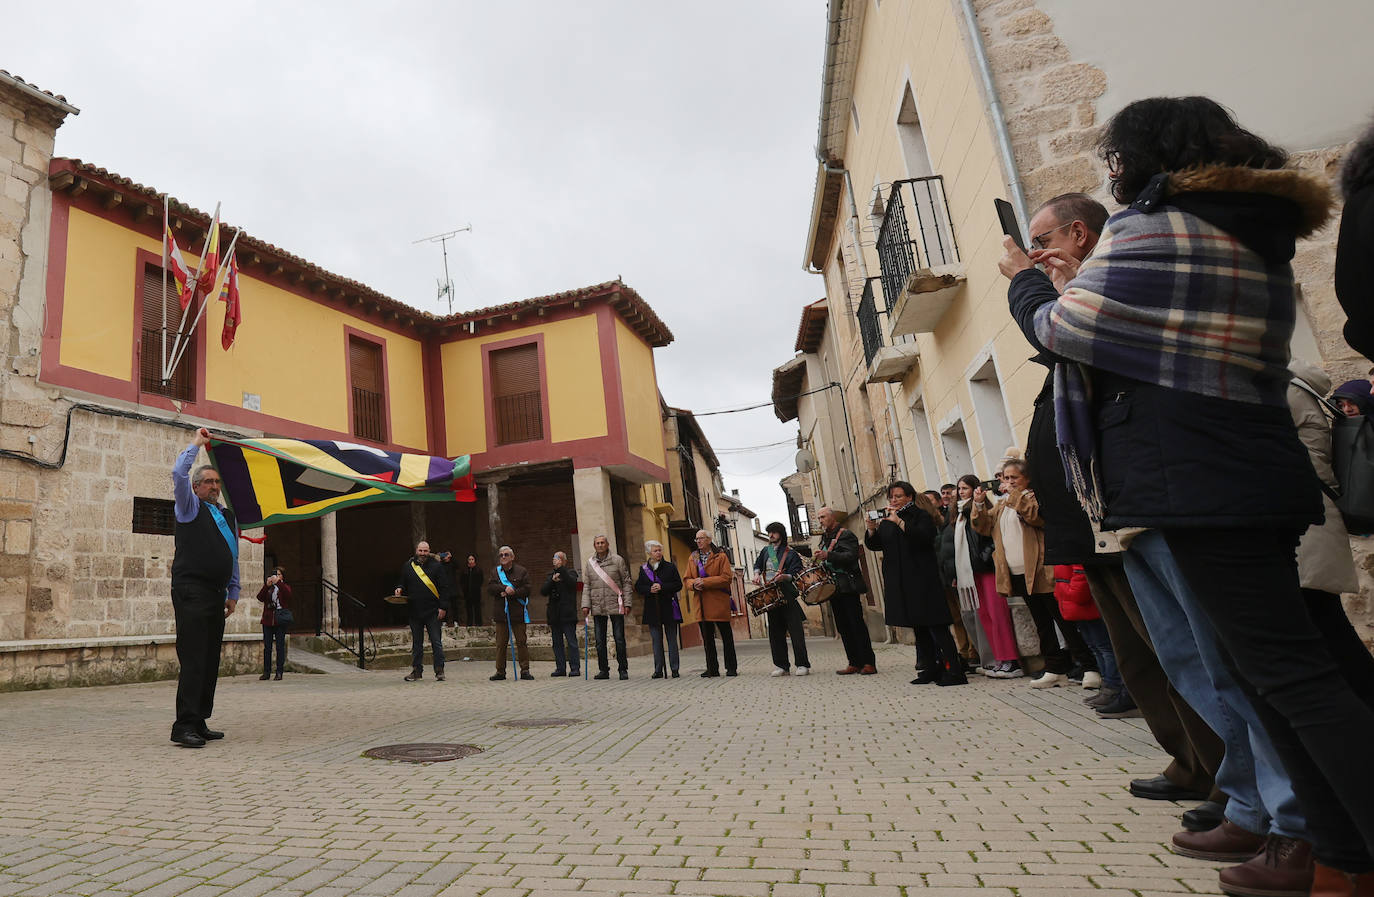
445 286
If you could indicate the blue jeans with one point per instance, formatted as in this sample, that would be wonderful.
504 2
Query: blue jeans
418 627
1251 774
666 632
1094 633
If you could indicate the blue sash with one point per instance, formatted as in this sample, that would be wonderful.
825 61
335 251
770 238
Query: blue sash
223 525
501 572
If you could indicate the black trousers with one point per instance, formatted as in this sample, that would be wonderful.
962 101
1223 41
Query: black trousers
1195 748
565 651
273 635
935 645
1246 581
786 622
1044 611
418 627
849 623
708 644
199 614
603 662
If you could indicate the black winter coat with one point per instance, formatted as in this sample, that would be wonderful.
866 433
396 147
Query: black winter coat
470 583
844 555
422 602
562 595
658 609
912 592
949 573
1355 247
1172 459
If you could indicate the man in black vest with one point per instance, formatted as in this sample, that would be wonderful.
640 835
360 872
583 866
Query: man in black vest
205 589
425 581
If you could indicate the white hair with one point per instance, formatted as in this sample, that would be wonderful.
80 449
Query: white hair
200 473
652 543
504 548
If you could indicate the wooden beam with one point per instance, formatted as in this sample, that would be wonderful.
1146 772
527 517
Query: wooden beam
577 303
318 286
80 186
354 300
298 278
254 258
143 212
111 200
275 270
62 180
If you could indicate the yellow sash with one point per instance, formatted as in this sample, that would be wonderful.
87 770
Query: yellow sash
419 571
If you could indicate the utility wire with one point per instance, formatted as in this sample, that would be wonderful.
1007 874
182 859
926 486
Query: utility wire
767 404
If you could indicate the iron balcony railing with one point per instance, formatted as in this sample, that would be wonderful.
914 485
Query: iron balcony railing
915 233
367 415
691 509
870 329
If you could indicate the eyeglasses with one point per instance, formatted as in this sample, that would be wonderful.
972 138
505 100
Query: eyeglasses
1039 241
206 481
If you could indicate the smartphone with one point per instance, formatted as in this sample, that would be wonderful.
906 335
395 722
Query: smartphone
1007 215
876 515
993 486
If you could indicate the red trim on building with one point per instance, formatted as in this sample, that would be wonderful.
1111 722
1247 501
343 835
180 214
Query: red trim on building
432 368
366 337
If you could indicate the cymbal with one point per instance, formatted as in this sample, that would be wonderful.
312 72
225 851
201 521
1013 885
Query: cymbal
396 599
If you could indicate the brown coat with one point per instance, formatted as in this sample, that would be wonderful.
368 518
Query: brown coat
987 521
714 598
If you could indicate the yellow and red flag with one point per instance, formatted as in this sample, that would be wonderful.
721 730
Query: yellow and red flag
176 266
209 262
233 311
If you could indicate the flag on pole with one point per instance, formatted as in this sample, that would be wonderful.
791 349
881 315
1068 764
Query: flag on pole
209 263
278 480
176 265
233 312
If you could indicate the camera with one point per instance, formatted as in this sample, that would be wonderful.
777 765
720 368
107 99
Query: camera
992 487
876 515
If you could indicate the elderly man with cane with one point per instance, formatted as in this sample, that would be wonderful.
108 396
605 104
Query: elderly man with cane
509 587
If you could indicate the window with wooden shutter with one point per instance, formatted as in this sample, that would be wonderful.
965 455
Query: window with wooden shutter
182 385
516 397
369 406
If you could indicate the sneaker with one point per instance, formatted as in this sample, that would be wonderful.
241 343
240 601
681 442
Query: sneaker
803 671
415 676
1103 697
778 671
1012 670
1050 680
1092 679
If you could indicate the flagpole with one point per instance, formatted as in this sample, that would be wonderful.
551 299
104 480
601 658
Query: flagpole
179 342
219 283
166 229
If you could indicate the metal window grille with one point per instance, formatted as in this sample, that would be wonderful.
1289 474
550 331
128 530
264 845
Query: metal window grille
156 516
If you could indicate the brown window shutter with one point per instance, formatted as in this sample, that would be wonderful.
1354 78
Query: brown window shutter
365 371
516 395
182 385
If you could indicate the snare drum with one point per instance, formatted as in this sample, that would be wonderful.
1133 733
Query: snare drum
815 585
765 599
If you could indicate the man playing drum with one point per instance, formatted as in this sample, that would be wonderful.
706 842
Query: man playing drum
778 564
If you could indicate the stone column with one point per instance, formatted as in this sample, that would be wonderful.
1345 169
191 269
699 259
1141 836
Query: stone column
494 518
329 566
595 517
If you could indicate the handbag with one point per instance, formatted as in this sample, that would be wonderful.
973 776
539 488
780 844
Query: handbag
284 617
1352 461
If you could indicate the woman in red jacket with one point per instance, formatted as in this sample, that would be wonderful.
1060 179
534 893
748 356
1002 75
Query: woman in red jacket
275 596
1076 605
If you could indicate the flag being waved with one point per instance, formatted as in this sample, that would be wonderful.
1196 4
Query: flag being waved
233 312
270 481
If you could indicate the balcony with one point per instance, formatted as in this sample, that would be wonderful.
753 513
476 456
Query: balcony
886 363
922 273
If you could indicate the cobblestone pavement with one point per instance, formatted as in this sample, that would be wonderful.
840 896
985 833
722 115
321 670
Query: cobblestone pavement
775 787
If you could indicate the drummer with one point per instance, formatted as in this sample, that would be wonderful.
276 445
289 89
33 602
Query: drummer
777 565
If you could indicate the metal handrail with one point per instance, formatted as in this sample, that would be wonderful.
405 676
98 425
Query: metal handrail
902 249
366 642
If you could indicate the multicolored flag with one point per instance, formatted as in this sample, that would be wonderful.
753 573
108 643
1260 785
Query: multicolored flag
176 266
209 261
233 311
269 481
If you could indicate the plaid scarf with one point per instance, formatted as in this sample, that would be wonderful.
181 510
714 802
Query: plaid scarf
1168 299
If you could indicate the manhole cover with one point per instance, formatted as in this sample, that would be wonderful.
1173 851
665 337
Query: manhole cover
422 753
539 723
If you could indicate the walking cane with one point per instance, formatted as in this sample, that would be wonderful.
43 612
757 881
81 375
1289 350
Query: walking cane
586 645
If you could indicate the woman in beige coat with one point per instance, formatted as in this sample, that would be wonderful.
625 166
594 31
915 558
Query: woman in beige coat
706 579
1018 538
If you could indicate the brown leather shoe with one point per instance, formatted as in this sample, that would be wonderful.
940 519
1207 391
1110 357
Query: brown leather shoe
1328 882
847 671
1227 842
868 670
1282 869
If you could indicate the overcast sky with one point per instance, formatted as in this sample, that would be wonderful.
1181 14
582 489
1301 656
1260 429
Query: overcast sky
671 145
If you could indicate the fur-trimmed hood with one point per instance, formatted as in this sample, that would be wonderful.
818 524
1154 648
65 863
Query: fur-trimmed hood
1309 192
1357 171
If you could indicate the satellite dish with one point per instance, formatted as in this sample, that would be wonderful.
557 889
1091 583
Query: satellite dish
805 461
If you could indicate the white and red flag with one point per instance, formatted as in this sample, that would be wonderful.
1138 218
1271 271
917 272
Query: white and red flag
233 311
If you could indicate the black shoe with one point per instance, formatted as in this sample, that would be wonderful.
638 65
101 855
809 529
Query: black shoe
711 674
927 676
1160 788
209 734
624 675
732 672
264 677
1123 707
496 677
527 675
658 674
186 738
573 674
1076 674
952 677
602 675
675 674
1204 817
438 675
415 676
278 676
558 674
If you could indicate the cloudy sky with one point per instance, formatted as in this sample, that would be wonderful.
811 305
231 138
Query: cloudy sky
670 145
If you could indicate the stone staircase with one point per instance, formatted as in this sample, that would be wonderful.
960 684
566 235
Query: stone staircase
467 643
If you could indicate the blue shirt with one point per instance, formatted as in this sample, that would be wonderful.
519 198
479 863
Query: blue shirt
188 506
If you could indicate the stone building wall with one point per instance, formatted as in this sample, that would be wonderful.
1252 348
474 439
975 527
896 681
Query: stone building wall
1051 100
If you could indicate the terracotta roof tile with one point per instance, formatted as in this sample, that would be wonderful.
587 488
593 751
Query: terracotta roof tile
28 87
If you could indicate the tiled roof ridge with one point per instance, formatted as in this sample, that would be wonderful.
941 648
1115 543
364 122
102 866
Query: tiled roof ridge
30 87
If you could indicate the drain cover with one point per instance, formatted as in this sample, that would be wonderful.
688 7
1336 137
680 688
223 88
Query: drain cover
539 723
422 753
